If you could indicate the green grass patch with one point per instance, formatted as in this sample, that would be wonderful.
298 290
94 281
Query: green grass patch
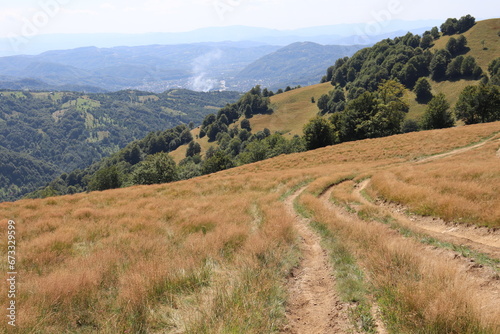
350 279
302 210
294 189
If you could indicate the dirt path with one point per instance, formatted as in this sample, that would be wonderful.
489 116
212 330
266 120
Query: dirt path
483 282
458 151
376 313
314 306
483 240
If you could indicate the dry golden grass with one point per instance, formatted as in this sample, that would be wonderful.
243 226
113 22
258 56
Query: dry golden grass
486 31
418 291
130 259
211 254
292 110
462 188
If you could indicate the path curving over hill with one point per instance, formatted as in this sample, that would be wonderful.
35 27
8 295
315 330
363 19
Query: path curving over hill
480 239
495 138
482 281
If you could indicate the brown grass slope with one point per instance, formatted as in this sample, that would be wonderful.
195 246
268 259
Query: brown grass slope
210 255
292 110
486 31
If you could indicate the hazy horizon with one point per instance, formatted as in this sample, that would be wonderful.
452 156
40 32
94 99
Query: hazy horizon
34 26
131 16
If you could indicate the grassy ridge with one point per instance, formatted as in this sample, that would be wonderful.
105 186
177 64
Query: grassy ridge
211 254
292 110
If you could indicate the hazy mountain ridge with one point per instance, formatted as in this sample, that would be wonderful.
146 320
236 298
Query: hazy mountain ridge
153 68
202 67
296 64
202 60
332 34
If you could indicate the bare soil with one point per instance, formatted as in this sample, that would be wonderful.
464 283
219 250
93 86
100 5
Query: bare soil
480 239
376 313
484 282
314 306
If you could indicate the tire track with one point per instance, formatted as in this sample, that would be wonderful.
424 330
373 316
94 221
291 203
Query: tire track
314 306
479 239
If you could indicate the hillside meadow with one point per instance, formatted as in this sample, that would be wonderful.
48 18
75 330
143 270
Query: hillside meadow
213 254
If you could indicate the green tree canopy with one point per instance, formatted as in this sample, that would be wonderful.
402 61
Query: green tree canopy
437 115
245 124
423 90
479 104
435 33
193 149
106 178
217 162
449 27
319 132
157 168
494 69
439 64
426 41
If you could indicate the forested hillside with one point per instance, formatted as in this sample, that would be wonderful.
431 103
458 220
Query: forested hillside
370 95
434 70
152 67
43 134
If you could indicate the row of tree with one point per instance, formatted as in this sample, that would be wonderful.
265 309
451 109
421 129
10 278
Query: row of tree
405 59
382 113
368 101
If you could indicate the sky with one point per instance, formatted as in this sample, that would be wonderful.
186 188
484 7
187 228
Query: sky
25 17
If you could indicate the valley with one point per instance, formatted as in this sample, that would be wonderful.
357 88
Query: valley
349 190
237 255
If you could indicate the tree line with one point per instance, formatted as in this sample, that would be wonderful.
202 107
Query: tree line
368 100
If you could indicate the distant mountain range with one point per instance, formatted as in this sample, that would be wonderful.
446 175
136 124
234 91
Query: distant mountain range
221 58
296 64
340 34
234 66
200 67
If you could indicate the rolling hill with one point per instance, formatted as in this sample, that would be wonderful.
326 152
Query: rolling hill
486 31
44 134
296 64
293 109
248 249
154 68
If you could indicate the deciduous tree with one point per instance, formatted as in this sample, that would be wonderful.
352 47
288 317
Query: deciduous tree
437 115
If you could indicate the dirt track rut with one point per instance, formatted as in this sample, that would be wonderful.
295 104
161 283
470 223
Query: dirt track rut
479 239
314 306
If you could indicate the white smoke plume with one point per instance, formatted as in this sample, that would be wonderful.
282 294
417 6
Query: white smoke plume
201 81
